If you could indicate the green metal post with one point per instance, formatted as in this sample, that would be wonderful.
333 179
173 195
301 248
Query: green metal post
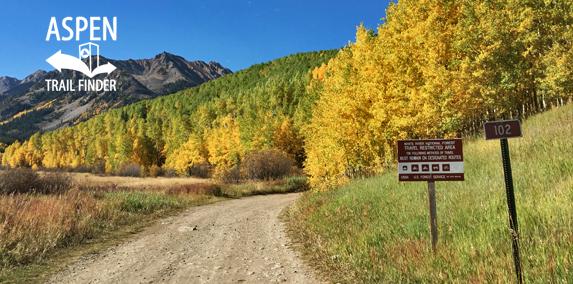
511 207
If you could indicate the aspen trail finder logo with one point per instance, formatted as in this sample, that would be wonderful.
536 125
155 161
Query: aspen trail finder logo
89 51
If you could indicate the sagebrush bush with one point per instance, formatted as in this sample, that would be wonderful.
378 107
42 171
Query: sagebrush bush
267 164
230 175
130 170
26 180
200 170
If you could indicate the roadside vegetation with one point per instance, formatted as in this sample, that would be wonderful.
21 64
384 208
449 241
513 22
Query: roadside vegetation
376 230
44 213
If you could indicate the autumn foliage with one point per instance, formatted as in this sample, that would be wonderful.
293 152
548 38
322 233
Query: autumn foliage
206 130
435 69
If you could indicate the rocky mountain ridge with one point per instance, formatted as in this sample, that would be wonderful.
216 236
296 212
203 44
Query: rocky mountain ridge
10 86
33 108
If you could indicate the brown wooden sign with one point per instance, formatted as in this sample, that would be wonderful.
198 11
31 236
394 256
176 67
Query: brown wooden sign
502 129
430 160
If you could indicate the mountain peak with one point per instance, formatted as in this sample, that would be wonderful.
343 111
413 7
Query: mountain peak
164 70
34 77
7 83
10 86
137 80
165 55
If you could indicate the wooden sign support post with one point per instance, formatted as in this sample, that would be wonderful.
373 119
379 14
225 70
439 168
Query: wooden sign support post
433 213
431 160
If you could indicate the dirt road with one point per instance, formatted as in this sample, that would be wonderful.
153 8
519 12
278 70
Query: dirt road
235 241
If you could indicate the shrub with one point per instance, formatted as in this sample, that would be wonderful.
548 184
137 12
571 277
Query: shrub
99 167
230 175
129 170
267 164
201 170
169 172
297 172
56 183
155 171
19 180
26 180
83 169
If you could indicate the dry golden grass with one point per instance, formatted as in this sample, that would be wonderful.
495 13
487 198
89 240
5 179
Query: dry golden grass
133 182
32 225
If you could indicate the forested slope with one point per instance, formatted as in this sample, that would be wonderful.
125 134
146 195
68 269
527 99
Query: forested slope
216 123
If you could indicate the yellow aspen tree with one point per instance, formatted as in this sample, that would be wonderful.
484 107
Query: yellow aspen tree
191 153
142 146
48 150
9 152
400 83
285 138
18 158
34 154
224 145
338 139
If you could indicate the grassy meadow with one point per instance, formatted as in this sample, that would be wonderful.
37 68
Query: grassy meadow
377 230
36 228
39 232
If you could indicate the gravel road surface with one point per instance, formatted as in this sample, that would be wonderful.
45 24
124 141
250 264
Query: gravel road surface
233 241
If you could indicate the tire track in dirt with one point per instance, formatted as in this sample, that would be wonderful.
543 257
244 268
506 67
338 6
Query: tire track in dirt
234 241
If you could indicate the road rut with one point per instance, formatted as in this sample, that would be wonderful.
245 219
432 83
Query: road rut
233 241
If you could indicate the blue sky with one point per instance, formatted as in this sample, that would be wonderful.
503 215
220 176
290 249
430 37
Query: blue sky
236 34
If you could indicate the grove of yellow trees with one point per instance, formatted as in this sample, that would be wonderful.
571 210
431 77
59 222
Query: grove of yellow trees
217 123
435 69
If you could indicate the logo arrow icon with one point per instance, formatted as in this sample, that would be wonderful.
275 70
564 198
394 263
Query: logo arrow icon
63 61
106 68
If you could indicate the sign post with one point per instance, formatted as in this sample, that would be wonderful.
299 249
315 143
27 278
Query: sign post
433 214
431 160
503 130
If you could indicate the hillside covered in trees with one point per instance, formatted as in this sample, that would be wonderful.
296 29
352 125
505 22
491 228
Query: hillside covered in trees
216 123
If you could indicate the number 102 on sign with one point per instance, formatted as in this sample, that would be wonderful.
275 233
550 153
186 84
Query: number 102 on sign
502 129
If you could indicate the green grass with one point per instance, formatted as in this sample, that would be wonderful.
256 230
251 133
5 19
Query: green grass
144 202
377 230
